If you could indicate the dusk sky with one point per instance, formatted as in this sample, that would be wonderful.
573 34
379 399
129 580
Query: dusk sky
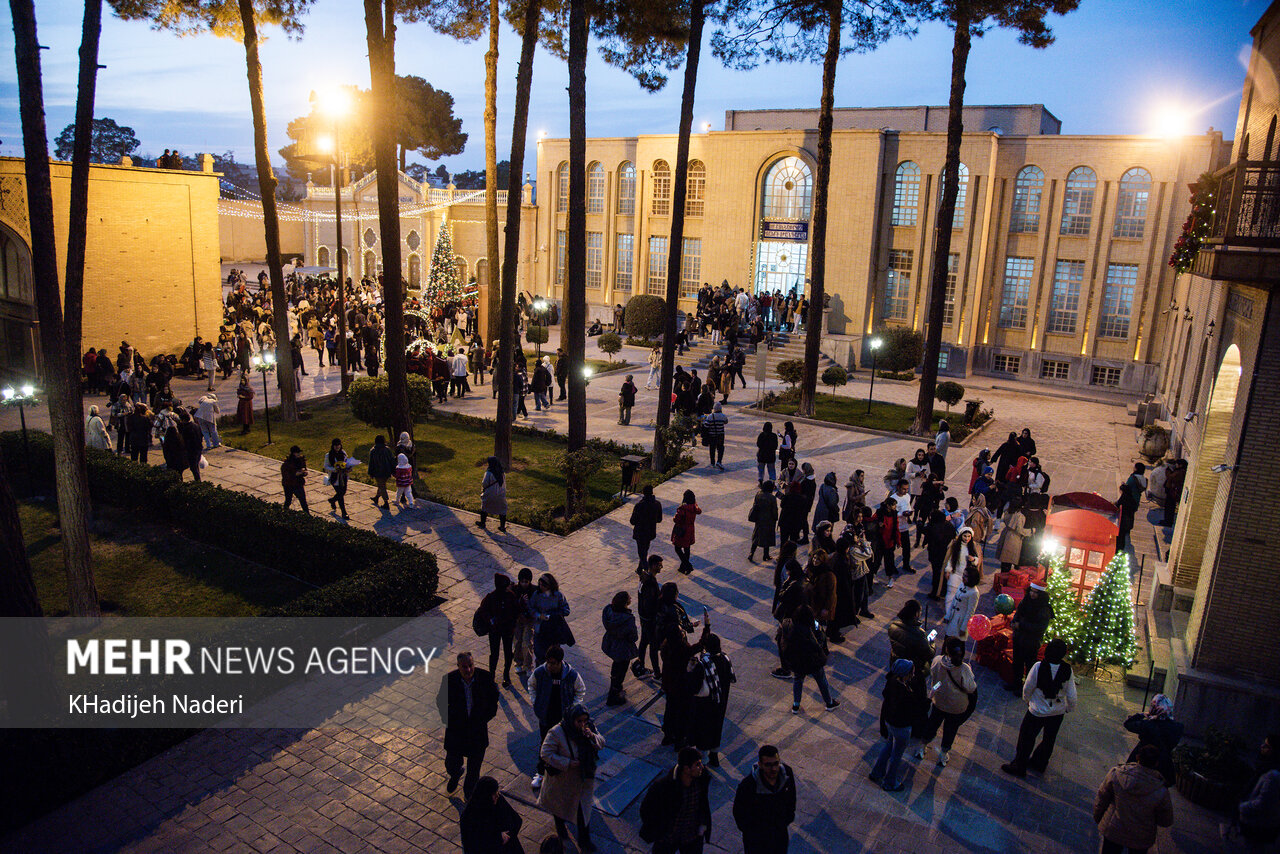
1116 66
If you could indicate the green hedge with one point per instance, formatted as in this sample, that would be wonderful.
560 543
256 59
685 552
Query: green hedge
397 587
308 547
646 316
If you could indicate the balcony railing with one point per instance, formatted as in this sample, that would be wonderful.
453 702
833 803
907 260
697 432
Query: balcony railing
1248 209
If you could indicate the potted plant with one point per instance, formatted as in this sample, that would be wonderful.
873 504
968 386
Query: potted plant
1212 775
1155 441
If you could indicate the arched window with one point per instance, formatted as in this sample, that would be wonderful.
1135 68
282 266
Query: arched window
595 188
322 256
562 179
788 190
906 194
370 265
460 264
15 274
1131 203
415 271
661 188
627 189
1028 189
962 196
696 189
1077 201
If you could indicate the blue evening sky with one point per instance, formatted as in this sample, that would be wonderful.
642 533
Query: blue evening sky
1116 66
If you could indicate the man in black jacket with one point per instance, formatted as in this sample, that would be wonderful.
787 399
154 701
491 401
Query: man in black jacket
675 814
469 700
562 371
645 517
765 804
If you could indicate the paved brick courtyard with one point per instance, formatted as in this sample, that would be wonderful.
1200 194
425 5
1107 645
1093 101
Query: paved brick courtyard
337 789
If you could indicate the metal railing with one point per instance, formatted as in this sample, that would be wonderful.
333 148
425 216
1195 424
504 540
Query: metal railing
1248 205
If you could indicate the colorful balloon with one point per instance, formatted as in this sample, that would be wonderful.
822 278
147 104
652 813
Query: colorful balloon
979 627
1005 604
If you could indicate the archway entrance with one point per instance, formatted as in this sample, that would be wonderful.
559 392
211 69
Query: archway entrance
1199 517
415 271
782 242
17 309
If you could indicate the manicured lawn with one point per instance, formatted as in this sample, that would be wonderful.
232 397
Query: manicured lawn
148 570
451 459
891 417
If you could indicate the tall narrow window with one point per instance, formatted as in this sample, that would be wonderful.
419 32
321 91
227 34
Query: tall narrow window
595 258
949 298
627 189
562 178
897 288
788 190
962 196
1028 188
1131 203
906 194
1016 295
690 266
625 264
595 188
1117 301
657 265
1077 201
560 257
661 188
696 189
1064 304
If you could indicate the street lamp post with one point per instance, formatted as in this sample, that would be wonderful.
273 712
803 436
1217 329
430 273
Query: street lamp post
264 364
22 398
336 105
875 345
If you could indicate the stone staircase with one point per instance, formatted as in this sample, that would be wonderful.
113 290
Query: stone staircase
785 346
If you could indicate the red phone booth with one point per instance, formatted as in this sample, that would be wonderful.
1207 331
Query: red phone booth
1088 539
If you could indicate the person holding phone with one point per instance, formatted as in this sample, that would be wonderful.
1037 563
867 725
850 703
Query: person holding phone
953 692
571 753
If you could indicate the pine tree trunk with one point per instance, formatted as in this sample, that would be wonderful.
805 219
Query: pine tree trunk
489 303
77 226
270 219
380 23
697 17
508 342
923 421
818 270
573 327
62 386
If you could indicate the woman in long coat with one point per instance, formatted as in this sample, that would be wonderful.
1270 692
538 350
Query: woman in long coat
1015 531
493 495
683 535
95 432
571 751
244 408
710 702
764 514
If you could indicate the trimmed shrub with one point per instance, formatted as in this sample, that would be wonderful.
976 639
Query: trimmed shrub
902 349
835 376
401 586
646 316
536 335
370 399
611 343
790 371
949 393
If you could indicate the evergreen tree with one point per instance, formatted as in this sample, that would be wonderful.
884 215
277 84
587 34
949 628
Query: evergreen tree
1108 632
443 287
1068 618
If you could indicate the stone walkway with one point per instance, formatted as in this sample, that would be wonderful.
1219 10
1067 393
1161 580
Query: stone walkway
335 789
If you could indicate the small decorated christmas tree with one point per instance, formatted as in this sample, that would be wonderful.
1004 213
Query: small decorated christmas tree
1068 618
1108 633
443 288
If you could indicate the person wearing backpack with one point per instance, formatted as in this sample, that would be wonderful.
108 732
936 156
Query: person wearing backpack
1049 692
497 617
804 653
953 692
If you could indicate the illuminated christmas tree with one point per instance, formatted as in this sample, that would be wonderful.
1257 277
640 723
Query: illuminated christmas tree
1068 618
442 288
1108 633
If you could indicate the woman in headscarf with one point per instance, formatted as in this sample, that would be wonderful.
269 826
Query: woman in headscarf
1157 727
95 432
980 522
827 506
493 495
489 824
855 497
571 751
335 465
404 445
682 530
1006 455
711 672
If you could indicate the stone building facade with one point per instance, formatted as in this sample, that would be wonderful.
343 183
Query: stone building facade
1059 244
1220 393
151 265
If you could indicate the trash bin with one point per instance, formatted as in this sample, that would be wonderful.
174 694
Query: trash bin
971 410
631 465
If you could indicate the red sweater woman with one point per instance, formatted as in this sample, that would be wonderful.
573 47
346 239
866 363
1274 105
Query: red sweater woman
682 532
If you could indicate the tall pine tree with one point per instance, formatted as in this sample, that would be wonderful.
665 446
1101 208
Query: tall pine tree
443 288
1108 633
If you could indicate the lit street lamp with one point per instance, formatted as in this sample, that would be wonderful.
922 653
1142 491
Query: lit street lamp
336 104
875 345
22 397
264 364
586 375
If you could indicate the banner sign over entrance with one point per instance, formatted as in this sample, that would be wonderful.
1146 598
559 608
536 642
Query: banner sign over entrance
793 231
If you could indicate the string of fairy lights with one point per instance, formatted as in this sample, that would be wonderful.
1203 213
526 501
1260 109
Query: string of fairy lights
287 212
